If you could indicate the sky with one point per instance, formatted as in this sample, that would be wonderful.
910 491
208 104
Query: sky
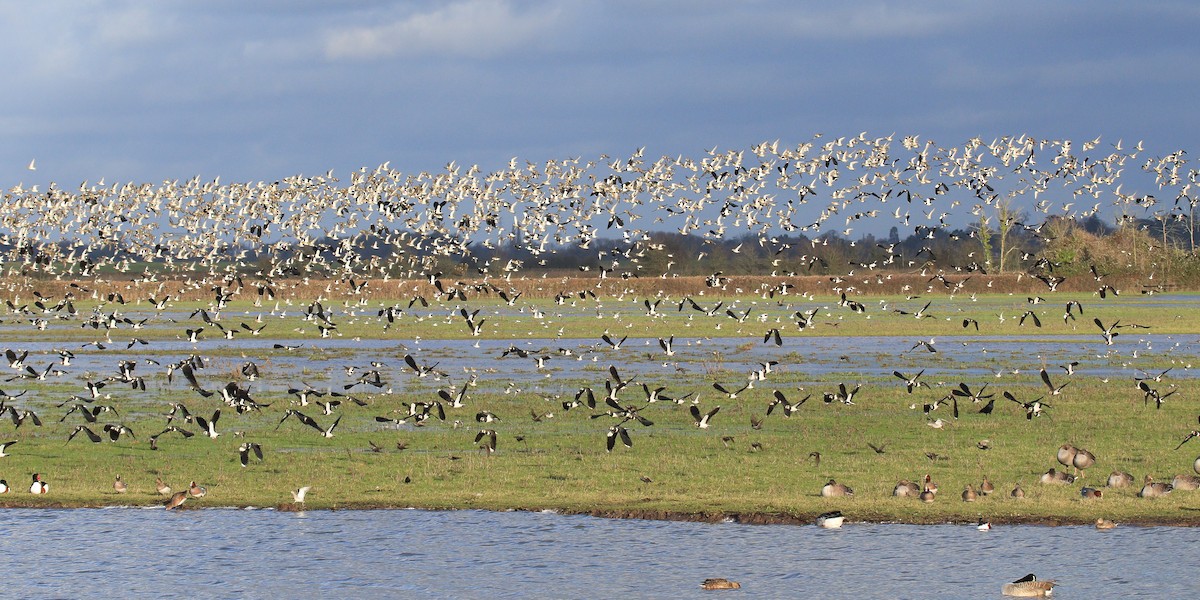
257 91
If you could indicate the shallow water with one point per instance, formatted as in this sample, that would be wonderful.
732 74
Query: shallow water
227 553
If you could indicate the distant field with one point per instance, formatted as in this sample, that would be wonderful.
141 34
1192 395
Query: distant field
673 468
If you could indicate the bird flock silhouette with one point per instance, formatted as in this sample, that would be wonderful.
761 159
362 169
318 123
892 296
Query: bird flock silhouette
246 241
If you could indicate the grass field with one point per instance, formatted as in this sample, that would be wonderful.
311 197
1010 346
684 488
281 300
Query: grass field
673 469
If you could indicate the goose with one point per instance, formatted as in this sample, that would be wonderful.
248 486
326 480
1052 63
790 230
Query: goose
830 520
834 489
1083 460
1029 586
1153 489
986 488
1054 476
1119 479
119 486
906 489
1185 482
1066 454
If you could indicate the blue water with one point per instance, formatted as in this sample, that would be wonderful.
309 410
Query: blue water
228 553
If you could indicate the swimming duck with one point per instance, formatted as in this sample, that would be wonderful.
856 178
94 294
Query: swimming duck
1017 492
835 489
1104 524
1185 482
830 520
119 486
162 488
906 489
719 583
968 494
983 525
1120 479
1088 492
1154 489
1029 587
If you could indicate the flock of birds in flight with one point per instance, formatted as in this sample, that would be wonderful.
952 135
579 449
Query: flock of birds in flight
312 227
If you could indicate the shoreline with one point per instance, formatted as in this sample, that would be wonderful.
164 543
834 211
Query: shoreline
741 518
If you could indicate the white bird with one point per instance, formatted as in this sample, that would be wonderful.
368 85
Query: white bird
298 495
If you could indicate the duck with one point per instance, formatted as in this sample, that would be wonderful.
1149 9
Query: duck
830 520
1017 492
1154 489
986 488
1029 586
177 500
197 491
119 486
1119 479
983 525
1104 524
834 489
38 486
929 483
1196 465
1185 482
1089 492
928 494
968 494
3 486
906 489
162 488
719 583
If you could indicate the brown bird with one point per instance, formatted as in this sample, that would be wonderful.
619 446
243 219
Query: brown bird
119 486
1028 587
177 500
162 488
719 583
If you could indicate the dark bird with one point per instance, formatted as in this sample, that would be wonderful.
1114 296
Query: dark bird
1054 391
702 420
244 451
91 434
489 435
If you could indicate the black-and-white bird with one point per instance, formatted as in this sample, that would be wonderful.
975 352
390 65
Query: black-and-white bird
702 420
246 449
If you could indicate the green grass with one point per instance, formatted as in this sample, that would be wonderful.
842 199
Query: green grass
561 462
